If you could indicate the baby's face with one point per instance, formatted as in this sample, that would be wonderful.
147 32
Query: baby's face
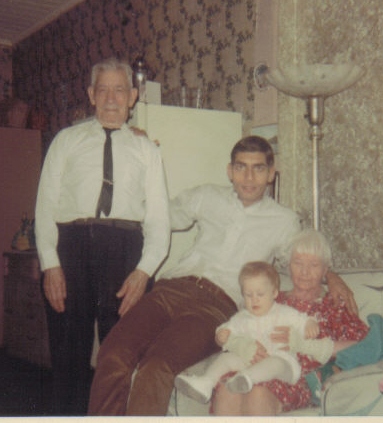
259 294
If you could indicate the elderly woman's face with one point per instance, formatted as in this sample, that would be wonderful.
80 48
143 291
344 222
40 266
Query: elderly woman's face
307 271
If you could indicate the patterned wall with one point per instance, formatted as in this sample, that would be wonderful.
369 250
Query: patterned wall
199 42
351 151
212 42
5 72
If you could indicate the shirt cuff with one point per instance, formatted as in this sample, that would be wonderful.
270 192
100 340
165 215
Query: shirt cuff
48 260
149 265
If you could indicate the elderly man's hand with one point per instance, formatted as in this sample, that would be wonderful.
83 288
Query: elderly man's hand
339 290
132 290
54 284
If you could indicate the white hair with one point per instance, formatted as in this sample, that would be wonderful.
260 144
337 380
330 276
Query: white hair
310 241
111 64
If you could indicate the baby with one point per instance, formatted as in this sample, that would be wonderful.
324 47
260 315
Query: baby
259 283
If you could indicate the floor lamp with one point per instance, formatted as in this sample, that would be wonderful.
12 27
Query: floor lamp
312 83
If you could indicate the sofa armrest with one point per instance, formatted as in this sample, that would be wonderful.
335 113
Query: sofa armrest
354 392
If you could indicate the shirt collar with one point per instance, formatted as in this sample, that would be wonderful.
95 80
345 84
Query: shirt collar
255 206
124 126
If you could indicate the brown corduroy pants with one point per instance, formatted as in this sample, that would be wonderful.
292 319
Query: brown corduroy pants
169 329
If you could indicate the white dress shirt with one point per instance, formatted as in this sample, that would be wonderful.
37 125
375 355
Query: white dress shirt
229 234
71 181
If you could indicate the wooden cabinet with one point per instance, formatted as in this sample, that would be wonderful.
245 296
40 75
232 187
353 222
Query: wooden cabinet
20 164
25 327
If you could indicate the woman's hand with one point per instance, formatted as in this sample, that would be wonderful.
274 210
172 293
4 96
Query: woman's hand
281 335
339 290
311 329
132 290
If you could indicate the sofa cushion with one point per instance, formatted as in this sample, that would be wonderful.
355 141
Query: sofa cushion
368 288
354 392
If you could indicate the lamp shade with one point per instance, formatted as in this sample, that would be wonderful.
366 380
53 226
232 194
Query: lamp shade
314 80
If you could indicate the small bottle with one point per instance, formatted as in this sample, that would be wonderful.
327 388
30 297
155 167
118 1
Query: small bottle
140 77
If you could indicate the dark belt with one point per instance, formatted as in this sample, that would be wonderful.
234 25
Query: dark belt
112 223
210 287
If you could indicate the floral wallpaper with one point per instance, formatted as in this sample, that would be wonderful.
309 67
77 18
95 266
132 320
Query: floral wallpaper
5 72
211 43
351 151
207 43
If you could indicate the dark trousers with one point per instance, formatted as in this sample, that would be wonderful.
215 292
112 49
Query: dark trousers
96 260
168 330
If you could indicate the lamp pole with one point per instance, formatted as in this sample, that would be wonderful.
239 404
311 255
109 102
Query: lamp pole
315 106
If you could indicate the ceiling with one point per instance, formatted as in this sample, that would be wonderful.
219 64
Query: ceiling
21 18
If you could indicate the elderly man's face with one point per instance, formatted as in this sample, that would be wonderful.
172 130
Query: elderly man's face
113 97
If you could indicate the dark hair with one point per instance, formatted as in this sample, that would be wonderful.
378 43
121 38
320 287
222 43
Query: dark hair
257 268
253 144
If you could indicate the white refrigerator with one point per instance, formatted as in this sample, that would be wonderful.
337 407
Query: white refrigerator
195 146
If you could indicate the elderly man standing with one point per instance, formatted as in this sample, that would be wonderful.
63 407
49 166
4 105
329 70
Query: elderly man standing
102 228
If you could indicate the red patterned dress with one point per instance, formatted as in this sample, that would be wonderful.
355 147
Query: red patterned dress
336 323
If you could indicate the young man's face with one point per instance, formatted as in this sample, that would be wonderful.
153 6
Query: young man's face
250 176
113 97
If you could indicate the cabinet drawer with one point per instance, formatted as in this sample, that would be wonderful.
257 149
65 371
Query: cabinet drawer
27 338
25 326
22 292
10 296
29 291
22 272
27 345
31 322
22 265
12 328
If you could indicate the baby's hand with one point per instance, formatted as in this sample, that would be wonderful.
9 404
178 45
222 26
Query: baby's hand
260 354
311 329
222 336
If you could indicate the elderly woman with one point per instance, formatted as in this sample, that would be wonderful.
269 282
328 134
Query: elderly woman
309 260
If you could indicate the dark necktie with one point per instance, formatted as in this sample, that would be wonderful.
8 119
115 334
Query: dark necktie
105 200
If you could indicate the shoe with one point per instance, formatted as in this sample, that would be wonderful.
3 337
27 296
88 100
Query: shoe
239 384
198 388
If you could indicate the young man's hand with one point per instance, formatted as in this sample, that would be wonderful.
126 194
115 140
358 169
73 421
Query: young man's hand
132 290
339 290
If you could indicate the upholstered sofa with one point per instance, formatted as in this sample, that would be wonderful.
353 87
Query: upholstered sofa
348 393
